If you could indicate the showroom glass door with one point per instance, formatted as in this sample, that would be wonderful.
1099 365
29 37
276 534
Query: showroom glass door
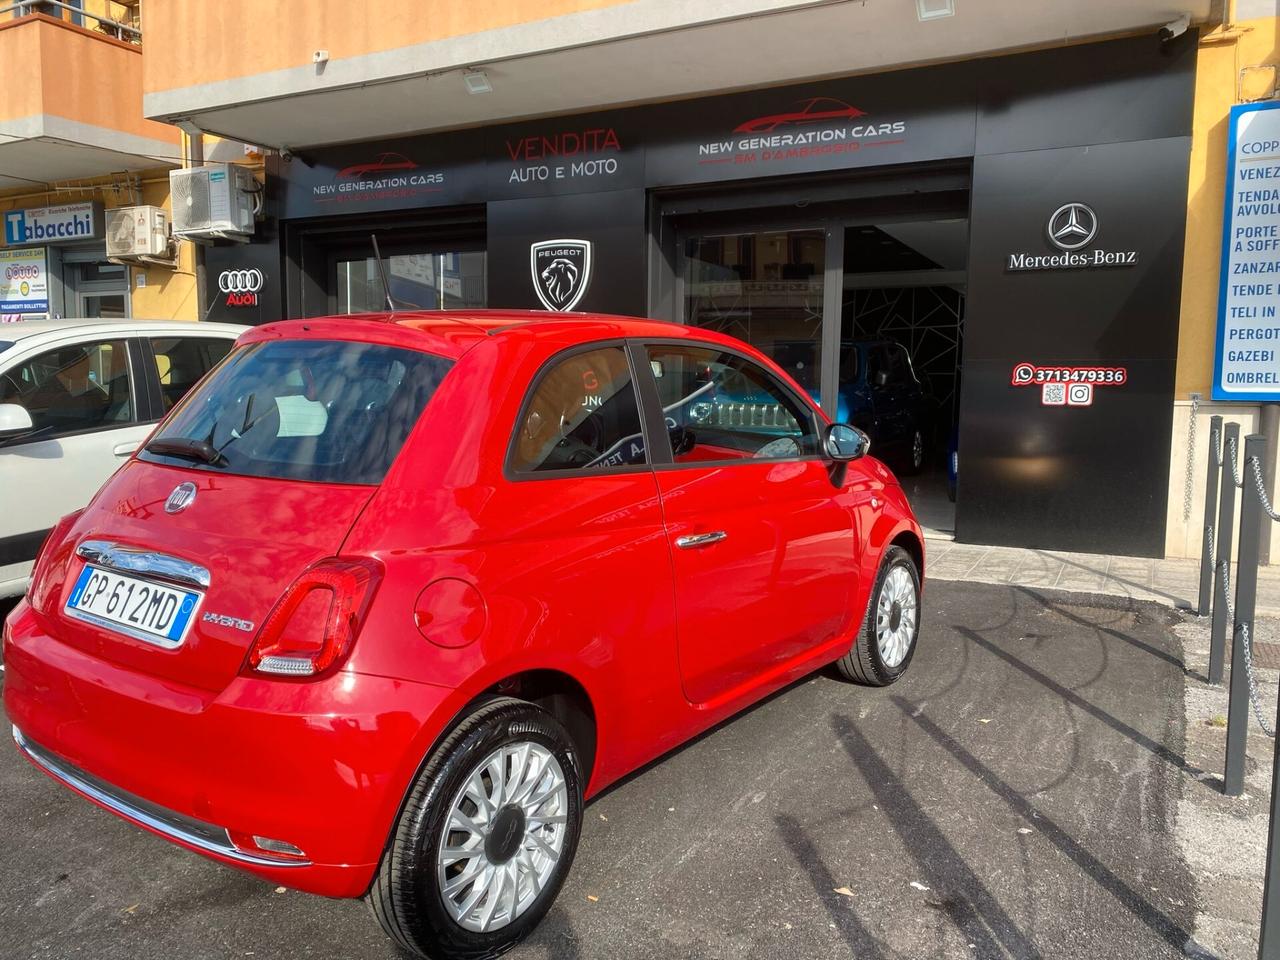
766 287
429 280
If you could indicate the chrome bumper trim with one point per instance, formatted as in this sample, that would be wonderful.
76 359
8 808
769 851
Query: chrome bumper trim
169 823
134 560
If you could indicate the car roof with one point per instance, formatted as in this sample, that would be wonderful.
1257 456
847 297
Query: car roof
453 332
126 326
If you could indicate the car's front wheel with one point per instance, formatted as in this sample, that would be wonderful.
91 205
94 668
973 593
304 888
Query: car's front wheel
486 837
886 641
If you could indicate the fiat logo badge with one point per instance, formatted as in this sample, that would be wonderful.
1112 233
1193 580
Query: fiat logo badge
183 496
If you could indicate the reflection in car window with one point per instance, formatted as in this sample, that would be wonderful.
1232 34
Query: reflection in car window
72 389
320 410
582 415
181 361
720 406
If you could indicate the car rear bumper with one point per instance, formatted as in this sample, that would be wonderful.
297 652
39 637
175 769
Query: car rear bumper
320 767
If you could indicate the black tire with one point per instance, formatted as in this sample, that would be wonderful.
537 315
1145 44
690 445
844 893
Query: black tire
916 454
864 663
406 895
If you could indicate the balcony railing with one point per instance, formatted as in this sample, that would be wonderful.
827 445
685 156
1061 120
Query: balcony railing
77 16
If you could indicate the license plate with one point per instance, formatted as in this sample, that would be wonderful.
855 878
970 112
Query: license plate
139 608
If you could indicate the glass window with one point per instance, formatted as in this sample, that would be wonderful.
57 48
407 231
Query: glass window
582 415
429 281
320 410
181 361
720 406
765 288
73 389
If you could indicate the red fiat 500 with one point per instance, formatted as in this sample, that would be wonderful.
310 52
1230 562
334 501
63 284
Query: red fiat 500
384 599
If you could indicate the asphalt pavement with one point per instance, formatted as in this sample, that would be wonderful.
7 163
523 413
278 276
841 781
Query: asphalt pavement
1013 796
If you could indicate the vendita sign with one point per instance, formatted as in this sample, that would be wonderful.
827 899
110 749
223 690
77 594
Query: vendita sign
68 221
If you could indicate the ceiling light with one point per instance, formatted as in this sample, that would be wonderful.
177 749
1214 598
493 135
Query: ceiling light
477 81
935 9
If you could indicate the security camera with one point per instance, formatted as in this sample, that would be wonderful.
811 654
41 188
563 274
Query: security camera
286 154
322 56
1175 28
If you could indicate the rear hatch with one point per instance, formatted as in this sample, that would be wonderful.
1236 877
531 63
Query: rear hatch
284 444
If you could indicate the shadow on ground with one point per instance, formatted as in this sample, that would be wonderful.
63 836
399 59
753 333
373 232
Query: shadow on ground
1011 797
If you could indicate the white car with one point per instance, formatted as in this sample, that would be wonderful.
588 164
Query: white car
77 397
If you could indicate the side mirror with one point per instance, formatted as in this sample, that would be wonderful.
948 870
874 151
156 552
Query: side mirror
843 443
14 421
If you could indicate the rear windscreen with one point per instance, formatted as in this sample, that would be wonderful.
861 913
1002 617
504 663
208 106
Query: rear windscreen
328 411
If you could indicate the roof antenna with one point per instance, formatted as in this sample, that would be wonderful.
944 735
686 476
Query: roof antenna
382 273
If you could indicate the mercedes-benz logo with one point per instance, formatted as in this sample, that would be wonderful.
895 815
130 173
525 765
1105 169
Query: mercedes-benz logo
183 495
1072 226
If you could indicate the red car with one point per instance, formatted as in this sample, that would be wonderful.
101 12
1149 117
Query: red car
816 110
384 162
383 600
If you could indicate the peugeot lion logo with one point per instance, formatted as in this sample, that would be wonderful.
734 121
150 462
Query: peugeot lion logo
183 496
561 271
1072 226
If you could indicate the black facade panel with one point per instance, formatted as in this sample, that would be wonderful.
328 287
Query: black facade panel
1133 89
1091 478
612 222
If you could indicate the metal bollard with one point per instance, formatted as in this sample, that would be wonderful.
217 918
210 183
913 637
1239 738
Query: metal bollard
1269 936
1226 517
1206 536
1242 629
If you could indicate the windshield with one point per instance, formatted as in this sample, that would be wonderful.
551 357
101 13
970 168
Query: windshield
319 410
5 345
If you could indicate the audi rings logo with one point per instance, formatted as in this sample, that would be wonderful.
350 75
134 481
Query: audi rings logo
240 281
241 286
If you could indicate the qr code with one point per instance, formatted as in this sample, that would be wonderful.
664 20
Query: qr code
1053 394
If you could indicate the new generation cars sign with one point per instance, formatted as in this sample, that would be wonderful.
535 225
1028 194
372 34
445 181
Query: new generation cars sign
1245 363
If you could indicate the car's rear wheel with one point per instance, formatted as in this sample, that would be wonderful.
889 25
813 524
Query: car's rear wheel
486 837
885 643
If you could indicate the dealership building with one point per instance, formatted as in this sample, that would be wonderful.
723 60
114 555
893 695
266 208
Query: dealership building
1028 198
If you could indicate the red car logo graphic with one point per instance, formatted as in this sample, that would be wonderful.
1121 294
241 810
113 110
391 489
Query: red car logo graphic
816 110
385 161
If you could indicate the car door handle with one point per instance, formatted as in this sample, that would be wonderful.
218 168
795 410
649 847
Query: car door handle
695 540
124 449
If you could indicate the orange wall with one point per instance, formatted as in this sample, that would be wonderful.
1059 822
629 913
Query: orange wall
82 76
191 42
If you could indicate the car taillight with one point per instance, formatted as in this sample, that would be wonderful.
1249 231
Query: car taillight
42 579
317 620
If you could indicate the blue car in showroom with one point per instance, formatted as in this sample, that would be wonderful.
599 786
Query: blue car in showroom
879 393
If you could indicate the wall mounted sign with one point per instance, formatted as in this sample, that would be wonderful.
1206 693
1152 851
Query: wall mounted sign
61 224
24 281
241 287
1246 364
1067 386
1071 228
561 271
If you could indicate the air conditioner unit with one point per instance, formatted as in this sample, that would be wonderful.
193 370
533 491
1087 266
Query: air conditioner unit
135 232
213 202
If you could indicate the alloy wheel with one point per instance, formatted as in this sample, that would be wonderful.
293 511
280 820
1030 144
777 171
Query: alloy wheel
896 617
504 836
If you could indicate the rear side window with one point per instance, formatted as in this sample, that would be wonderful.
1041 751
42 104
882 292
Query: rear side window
318 410
181 361
73 389
581 415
